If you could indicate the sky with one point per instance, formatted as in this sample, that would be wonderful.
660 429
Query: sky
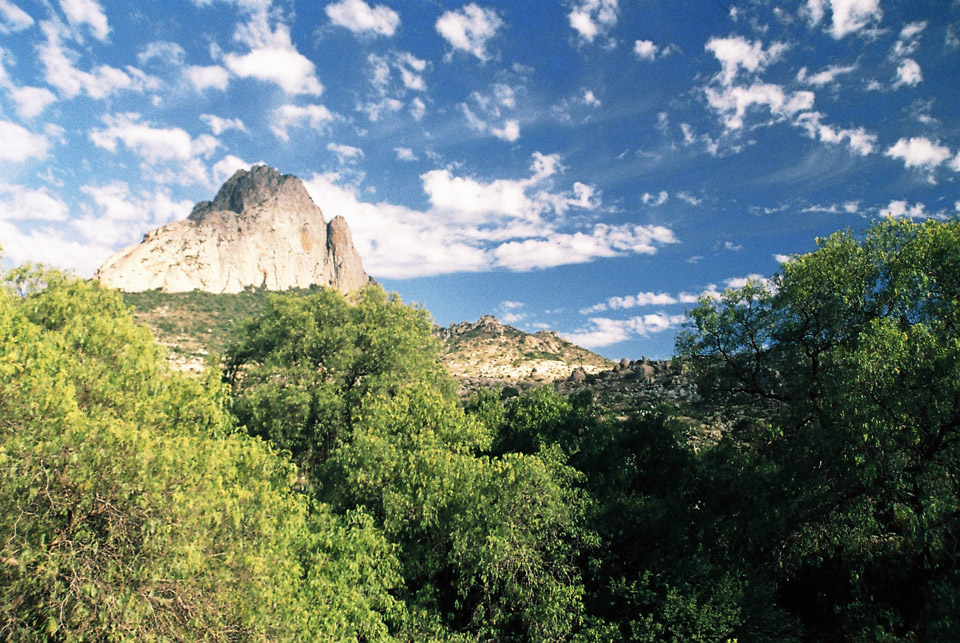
590 167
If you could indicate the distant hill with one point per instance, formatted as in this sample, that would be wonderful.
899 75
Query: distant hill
194 324
488 349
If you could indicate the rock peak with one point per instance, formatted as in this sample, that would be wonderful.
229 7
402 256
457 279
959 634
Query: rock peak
262 229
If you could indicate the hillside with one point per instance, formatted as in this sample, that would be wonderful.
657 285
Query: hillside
194 324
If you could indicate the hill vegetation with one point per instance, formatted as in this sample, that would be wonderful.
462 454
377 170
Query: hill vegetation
328 483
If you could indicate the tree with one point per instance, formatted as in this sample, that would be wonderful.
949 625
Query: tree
131 508
844 373
355 391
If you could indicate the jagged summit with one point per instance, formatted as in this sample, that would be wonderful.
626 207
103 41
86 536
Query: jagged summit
262 229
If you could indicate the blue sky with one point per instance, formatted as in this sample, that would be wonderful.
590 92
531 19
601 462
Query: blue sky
585 166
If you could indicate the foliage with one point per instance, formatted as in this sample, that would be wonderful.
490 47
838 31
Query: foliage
356 393
131 509
845 375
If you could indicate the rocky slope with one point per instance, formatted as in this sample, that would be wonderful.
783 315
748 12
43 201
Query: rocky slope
262 230
488 350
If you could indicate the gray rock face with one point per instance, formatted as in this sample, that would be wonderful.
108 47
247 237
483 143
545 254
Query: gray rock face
262 229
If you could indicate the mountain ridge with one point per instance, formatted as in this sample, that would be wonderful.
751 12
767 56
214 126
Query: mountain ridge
261 230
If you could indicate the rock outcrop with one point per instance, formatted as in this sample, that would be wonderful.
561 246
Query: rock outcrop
262 229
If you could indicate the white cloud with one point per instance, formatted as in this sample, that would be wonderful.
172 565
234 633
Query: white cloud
475 225
417 109
389 96
21 203
604 331
121 217
736 53
591 18
782 259
219 125
405 154
909 40
955 163
826 76
52 246
730 245
102 81
686 197
162 50
655 199
899 209
345 153
20 144
470 28
733 103
632 301
645 49
31 101
359 17
207 77
153 144
14 18
919 152
226 167
272 57
859 140
908 73
287 116
604 241
88 12
289 69
848 16
509 132
590 100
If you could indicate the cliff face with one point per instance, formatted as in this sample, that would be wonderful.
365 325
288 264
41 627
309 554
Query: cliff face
262 229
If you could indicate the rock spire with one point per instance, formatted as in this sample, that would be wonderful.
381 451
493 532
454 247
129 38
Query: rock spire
262 229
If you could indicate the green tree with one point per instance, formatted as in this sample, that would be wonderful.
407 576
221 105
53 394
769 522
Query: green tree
356 392
131 509
844 377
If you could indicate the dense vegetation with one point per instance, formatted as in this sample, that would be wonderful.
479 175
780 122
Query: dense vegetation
331 485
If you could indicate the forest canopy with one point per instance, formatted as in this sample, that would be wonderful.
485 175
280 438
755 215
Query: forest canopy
327 483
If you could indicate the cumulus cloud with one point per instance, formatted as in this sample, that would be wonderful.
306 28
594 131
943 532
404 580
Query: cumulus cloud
345 153
908 73
20 144
736 53
31 101
226 167
919 152
405 154
273 58
734 102
509 132
633 301
13 18
826 76
359 17
901 209
87 12
847 16
203 77
469 29
120 216
859 140
477 225
315 117
590 100
655 199
605 332
645 49
220 125
59 72
152 144
26 204
592 18
389 91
